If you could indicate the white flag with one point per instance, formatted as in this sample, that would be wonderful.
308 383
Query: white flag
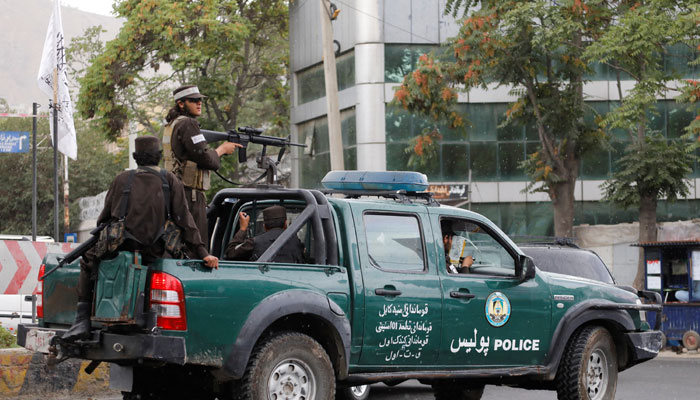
53 63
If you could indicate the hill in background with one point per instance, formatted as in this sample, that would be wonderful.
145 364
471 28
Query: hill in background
24 24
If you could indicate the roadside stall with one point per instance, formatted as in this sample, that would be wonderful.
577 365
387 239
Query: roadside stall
673 270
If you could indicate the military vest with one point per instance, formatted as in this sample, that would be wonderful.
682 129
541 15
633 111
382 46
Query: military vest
188 172
289 253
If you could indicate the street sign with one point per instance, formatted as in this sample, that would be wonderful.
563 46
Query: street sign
14 142
450 191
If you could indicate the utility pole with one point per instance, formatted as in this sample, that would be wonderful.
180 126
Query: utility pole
335 138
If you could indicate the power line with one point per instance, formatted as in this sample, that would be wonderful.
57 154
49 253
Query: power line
387 23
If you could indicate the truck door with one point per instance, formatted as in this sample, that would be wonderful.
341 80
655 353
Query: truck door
493 318
402 289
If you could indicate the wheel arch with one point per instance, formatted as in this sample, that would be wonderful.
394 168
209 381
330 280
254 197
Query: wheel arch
301 311
616 321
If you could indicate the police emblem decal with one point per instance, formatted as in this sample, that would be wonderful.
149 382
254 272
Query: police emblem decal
497 309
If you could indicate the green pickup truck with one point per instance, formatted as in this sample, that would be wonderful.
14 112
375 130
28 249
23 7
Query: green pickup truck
373 302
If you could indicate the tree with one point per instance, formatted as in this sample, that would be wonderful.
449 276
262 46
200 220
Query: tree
235 51
652 167
90 175
535 48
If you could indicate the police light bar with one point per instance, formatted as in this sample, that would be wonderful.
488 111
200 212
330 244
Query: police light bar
375 180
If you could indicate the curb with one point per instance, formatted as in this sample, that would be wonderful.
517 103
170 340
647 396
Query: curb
23 373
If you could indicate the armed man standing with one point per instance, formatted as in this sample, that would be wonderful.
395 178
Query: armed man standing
187 155
141 207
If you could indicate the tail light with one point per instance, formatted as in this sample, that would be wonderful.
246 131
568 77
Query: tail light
167 299
40 293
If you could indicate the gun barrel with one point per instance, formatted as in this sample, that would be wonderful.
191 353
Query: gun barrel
214 136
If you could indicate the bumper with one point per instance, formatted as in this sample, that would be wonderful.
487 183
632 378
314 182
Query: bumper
105 346
643 346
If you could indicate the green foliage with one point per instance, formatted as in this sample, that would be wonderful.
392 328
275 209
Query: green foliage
235 51
89 175
653 168
7 339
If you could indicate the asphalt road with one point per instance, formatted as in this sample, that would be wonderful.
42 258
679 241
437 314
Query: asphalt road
664 378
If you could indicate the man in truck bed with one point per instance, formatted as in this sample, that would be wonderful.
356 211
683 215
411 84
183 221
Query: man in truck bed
145 217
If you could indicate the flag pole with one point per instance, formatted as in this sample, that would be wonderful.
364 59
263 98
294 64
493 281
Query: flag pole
35 106
55 154
66 203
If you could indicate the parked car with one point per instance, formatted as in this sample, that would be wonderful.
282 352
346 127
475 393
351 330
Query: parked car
568 259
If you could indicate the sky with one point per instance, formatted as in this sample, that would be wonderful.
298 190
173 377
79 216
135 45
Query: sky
102 7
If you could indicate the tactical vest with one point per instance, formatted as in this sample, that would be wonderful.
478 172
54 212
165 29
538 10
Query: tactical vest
188 172
287 254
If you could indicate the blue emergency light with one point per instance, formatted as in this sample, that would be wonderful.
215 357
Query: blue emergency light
375 180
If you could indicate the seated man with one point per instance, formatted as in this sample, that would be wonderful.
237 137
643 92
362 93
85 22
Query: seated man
459 260
274 223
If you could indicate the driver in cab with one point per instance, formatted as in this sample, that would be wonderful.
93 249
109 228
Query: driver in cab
458 258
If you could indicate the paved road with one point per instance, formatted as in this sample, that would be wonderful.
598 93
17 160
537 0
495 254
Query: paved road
664 378
659 379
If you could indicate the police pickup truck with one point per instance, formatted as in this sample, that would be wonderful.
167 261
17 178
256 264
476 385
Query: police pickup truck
373 302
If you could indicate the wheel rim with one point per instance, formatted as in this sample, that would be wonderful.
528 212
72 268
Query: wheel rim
291 380
597 375
359 391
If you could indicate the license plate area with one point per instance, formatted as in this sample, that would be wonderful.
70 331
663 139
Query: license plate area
39 340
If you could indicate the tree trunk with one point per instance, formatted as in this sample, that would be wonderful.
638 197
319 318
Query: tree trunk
647 232
562 195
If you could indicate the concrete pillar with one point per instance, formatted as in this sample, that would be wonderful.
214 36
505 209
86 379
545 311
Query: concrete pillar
370 110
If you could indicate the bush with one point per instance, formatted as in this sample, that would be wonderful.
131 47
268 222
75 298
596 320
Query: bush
7 339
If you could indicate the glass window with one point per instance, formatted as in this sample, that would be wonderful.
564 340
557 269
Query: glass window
677 58
483 159
678 119
396 157
455 162
471 239
596 164
312 84
394 242
484 121
506 132
514 218
400 59
510 155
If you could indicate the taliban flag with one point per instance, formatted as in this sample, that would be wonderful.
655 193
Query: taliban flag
53 81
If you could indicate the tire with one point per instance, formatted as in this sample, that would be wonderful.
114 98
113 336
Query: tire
691 340
588 369
291 364
456 391
360 392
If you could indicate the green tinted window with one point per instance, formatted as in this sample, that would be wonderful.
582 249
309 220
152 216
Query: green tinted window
483 158
455 162
510 155
400 59
311 83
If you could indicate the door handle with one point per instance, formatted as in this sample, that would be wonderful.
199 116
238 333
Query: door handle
462 295
387 292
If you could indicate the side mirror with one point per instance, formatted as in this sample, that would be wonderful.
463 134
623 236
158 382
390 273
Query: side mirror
527 268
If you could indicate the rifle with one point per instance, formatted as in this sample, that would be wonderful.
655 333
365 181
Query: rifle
78 251
245 135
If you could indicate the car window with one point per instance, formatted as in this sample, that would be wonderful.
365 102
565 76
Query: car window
574 262
489 256
394 242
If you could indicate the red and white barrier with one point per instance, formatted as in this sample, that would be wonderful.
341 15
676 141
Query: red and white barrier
20 261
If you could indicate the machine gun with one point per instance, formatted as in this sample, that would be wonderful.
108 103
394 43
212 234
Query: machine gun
78 251
245 135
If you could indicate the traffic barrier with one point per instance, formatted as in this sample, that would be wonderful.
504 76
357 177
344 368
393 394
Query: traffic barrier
20 261
24 374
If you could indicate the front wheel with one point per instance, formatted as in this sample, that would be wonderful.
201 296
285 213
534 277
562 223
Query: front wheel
588 369
360 392
289 366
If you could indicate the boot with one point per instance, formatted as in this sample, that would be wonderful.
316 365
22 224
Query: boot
81 326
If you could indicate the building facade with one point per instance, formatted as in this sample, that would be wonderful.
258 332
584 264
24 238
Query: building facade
379 42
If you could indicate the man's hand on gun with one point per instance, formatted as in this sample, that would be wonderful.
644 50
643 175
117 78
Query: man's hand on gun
227 148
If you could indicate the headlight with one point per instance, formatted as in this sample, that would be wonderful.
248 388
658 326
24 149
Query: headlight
642 314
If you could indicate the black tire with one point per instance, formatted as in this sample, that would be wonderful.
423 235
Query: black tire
291 363
588 369
691 340
359 392
457 391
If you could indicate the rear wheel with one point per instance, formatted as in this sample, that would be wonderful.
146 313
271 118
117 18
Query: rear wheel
457 391
588 369
290 366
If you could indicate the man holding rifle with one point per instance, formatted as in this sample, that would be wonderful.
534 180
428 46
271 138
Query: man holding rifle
187 154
